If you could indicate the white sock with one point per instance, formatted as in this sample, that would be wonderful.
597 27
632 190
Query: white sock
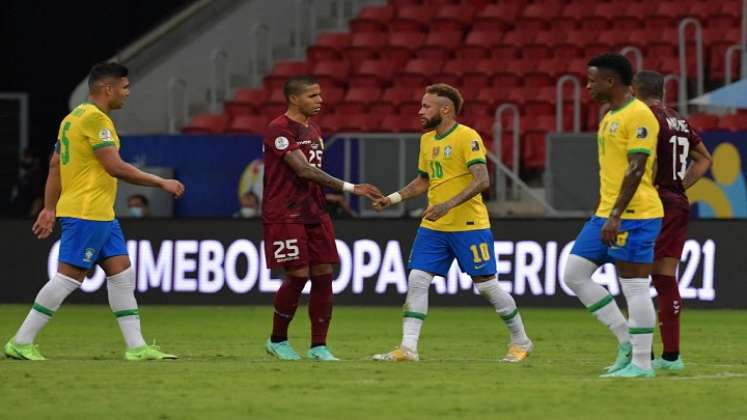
47 302
121 290
416 307
577 276
505 306
642 318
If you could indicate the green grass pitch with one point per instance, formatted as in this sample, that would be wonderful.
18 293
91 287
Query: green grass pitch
224 373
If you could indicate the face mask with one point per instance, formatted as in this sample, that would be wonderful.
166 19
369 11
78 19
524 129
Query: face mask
248 212
136 212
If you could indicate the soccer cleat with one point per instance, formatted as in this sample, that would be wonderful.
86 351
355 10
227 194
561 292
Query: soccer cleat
281 350
624 355
668 365
17 351
321 353
400 354
631 371
518 352
146 352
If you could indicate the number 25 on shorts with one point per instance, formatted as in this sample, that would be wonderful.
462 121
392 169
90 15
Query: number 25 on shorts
480 253
286 250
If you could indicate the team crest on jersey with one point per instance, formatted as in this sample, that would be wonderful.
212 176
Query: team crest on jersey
88 255
447 151
614 126
281 143
475 145
436 151
641 133
105 135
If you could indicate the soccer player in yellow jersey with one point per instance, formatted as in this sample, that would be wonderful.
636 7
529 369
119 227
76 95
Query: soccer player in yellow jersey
627 221
452 169
80 191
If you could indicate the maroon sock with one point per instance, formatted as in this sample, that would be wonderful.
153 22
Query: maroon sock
285 303
320 308
670 306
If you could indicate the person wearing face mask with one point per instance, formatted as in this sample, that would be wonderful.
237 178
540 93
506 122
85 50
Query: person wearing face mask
137 206
249 206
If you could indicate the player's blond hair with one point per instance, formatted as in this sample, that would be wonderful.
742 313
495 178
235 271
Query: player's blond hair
447 91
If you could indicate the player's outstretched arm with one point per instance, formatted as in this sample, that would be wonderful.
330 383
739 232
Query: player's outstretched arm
701 162
297 161
633 175
116 167
417 186
480 182
44 224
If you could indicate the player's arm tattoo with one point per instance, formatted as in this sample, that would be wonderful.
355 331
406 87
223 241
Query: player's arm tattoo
53 186
297 161
701 162
480 182
417 186
633 175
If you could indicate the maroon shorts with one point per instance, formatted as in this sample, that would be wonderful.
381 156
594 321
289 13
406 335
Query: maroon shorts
293 245
673 233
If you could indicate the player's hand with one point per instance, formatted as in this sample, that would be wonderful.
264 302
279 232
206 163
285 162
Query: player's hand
436 212
44 224
174 187
367 190
610 230
382 203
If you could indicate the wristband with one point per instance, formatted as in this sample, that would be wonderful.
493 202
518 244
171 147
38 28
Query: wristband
347 187
395 197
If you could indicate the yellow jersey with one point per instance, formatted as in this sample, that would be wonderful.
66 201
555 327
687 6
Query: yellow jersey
446 160
88 191
630 129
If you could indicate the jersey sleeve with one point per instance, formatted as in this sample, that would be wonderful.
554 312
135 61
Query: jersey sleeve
422 164
279 141
695 138
97 130
474 150
642 132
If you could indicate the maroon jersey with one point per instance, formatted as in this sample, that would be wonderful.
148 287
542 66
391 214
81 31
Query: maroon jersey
676 139
286 198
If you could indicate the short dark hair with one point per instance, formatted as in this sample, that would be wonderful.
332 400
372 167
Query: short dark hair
140 197
616 63
650 84
104 70
296 84
447 91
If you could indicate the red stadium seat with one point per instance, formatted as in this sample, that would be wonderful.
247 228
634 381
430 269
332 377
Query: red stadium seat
374 73
402 47
357 100
397 95
282 71
452 71
331 95
402 123
417 72
412 18
360 123
329 46
247 124
206 124
480 74
245 101
736 122
331 73
718 48
496 17
330 122
702 10
440 45
479 44
365 46
727 17
542 44
372 19
537 16
453 17
570 17
533 144
703 122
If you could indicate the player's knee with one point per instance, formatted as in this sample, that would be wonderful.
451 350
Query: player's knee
123 279
419 279
578 271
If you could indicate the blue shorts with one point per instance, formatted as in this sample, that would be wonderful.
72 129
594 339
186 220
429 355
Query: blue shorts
85 242
635 241
434 251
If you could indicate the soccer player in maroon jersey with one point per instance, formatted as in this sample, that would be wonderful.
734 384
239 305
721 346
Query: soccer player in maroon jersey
298 233
678 143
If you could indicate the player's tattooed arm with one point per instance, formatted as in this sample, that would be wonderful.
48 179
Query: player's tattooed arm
701 162
633 175
44 224
416 187
116 167
480 182
297 161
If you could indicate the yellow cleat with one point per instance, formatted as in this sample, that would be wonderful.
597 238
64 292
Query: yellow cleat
400 354
518 352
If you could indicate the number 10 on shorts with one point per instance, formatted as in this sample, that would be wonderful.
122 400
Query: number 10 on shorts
482 255
286 250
